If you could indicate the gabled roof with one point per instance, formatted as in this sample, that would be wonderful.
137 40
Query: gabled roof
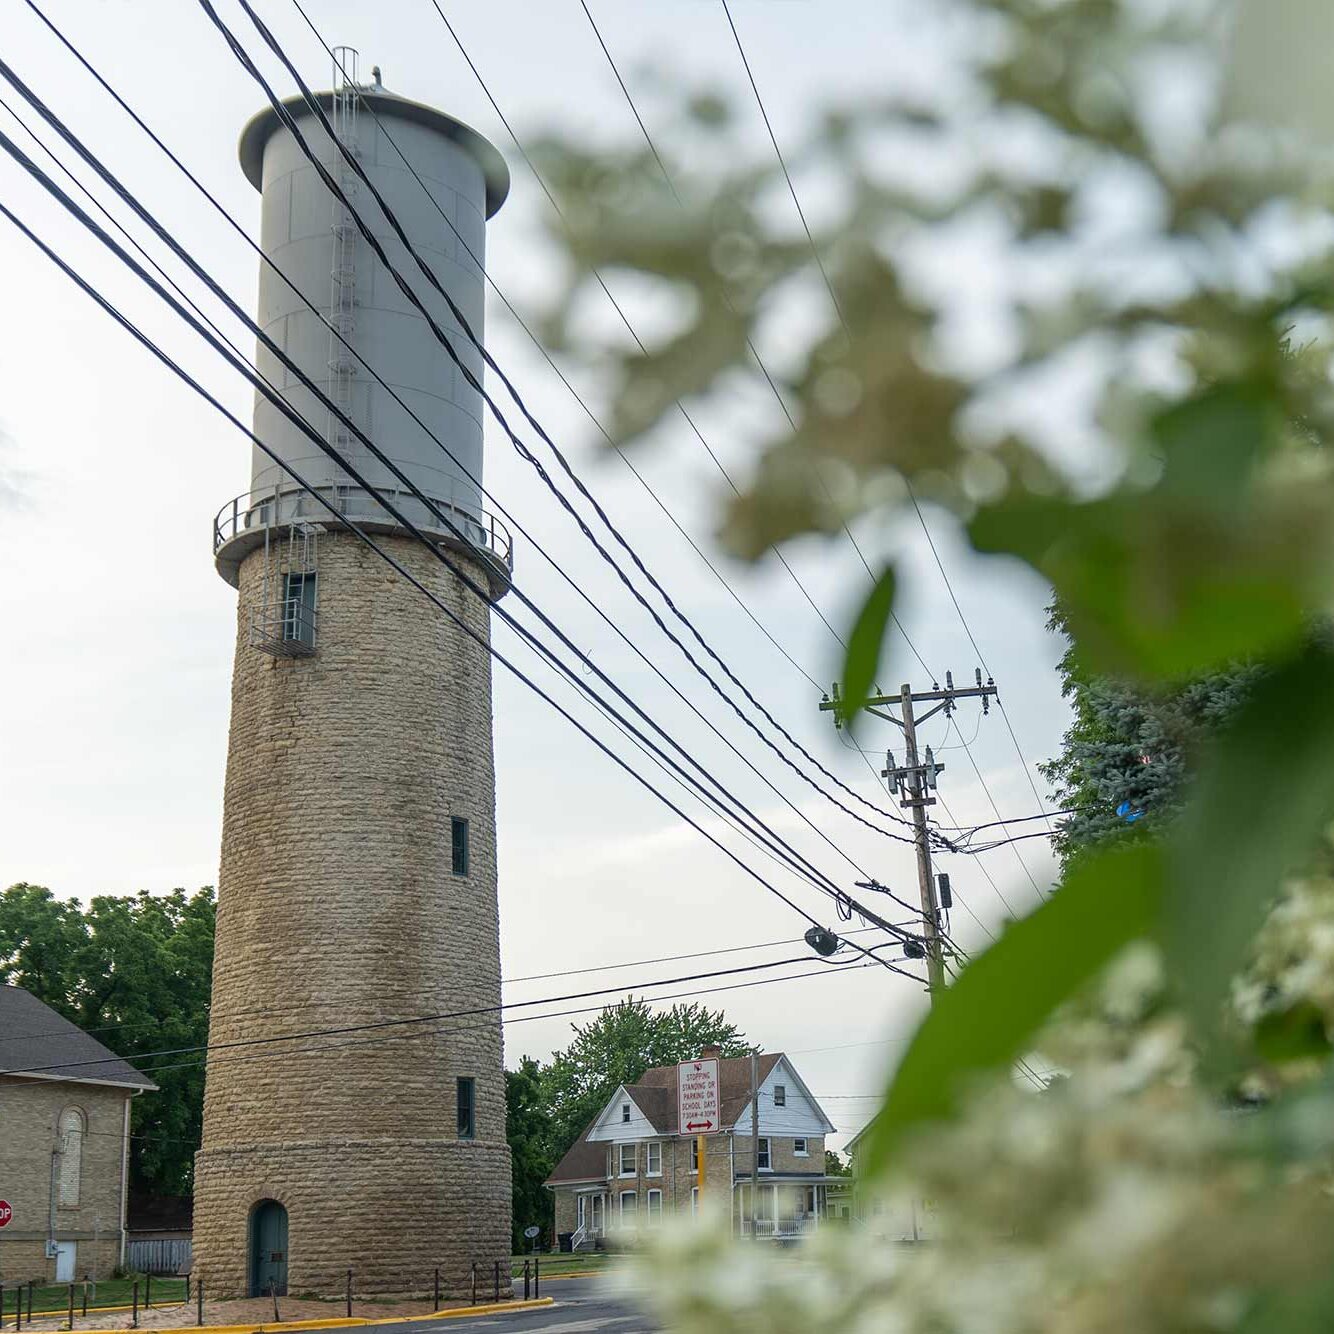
37 1042
655 1095
586 1160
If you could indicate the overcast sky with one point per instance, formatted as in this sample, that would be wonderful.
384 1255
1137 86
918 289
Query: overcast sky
118 634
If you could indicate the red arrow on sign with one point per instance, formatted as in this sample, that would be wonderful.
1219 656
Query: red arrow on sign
699 1125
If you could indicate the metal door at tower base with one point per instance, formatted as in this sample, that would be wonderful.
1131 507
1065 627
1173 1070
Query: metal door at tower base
268 1249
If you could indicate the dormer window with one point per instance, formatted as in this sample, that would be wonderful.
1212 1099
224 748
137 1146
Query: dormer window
780 1095
625 1113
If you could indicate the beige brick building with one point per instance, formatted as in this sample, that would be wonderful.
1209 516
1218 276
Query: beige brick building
64 1145
633 1165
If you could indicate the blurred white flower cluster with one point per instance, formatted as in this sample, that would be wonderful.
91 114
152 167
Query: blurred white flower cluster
1122 1197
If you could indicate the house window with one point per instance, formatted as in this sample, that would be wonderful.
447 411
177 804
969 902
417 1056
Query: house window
459 837
694 1156
625 1113
629 1203
580 1203
654 1205
467 1108
763 1160
780 1095
627 1161
799 1148
71 1155
299 607
653 1159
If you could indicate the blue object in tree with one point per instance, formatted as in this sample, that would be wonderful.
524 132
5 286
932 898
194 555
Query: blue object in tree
1127 814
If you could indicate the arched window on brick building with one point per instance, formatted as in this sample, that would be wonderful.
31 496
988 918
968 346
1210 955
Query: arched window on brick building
71 1155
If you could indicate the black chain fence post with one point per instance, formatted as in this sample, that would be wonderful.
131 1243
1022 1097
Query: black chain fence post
474 1282
148 1291
436 1307
134 1318
273 1292
85 1294
71 1304
526 1265
199 1300
537 1273
32 1283
497 1284
349 1294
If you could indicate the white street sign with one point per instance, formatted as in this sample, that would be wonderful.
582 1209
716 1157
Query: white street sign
698 1102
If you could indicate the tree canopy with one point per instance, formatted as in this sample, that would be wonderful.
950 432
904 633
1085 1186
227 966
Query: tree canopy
135 971
616 1048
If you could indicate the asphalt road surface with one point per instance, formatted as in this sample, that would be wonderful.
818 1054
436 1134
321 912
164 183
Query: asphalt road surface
582 1306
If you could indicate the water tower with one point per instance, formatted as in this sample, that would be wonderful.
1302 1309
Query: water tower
358 870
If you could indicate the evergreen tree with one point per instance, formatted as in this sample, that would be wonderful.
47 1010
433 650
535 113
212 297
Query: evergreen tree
1126 755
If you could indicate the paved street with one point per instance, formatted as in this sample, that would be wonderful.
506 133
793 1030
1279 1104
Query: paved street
581 1304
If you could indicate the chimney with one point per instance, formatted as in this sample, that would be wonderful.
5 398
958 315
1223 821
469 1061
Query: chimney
710 1053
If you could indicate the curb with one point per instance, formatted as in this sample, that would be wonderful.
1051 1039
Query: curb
339 1322
575 1273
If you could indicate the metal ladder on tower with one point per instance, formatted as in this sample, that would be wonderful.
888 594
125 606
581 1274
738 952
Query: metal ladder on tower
343 272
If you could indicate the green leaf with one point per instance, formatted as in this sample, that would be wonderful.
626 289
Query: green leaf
985 1022
1211 442
1294 1034
864 645
1261 801
1158 586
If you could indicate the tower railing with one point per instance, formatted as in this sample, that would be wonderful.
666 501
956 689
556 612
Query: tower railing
254 511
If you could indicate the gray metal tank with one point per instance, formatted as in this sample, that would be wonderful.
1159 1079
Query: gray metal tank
310 235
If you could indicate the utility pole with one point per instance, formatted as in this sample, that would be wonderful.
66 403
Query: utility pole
914 781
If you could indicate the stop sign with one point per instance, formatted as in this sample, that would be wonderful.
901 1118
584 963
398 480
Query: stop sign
6 1213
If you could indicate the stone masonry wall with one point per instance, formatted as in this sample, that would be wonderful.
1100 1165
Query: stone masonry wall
337 908
29 1115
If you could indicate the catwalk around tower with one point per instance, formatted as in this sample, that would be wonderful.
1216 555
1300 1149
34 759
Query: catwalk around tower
358 871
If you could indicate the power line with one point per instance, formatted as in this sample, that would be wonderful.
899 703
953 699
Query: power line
551 198
556 565
340 519
271 393
560 374
401 1026
815 252
505 981
559 568
449 1032
319 441
787 175
333 186
750 344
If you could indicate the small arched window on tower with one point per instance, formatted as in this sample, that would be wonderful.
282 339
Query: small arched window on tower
70 1144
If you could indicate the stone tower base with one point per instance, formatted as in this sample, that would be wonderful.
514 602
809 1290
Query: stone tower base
411 1206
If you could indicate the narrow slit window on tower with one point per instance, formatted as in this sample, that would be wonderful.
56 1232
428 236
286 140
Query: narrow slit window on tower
299 607
467 1108
459 834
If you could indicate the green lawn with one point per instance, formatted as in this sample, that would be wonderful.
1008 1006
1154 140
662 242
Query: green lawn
560 1264
111 1292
